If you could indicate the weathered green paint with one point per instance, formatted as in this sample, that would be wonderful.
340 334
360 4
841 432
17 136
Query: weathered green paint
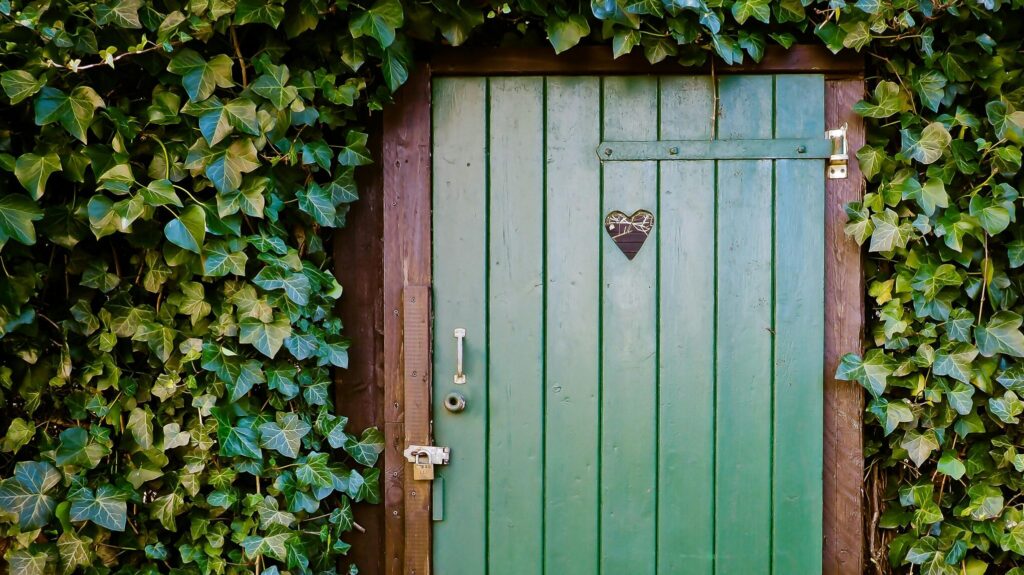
515 327
686 410
659 415
799 333
629 347
572 364
675 150
460 300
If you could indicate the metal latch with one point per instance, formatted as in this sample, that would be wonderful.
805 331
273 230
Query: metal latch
424 458
838 162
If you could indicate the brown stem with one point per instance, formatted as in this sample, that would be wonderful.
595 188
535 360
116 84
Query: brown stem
238 53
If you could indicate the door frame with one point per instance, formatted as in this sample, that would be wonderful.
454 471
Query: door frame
404 185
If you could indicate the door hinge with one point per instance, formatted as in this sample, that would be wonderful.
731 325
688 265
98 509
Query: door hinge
838 161
424 458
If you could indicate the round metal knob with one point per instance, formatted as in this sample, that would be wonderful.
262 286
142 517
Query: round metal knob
454 402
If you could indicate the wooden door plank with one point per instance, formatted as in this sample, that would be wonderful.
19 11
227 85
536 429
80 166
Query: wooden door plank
629 342
686 409
744 342
460 288
799 331
844 545
574 235
515 450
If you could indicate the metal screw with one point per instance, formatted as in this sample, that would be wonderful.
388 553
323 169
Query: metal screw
607 151
802 150
673 151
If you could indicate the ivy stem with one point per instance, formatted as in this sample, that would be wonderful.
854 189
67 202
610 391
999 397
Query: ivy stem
241 64
187 193
167 157
984 278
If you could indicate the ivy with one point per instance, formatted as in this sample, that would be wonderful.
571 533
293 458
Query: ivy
168 173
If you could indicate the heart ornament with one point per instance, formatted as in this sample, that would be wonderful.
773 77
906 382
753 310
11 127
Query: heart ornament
629 232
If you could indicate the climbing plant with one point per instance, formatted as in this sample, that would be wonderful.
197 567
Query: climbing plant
168 170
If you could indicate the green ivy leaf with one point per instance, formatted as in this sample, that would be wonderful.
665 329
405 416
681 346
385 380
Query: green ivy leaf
33 171
950 465
928 146
318 203
758 9
379 22
78 449
1001 335
19 85
188 230
121 13
26 493
273 85
74 111
366 449
265 337
566 33
889 233
285 434
75 550
919 445
16 216
200 77
106 507
269 12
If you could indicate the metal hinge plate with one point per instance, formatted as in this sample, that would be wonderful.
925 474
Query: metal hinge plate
838 161
436 454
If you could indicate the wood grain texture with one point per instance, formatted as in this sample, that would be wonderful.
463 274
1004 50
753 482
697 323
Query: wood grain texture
743 334
515 451
359 390
686 286
843 548
406 155
629 311
799 317
460 301
596 60
572 340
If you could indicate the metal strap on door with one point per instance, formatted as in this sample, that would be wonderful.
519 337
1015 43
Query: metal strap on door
832 147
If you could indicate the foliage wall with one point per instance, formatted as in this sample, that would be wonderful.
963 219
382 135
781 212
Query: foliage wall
168 170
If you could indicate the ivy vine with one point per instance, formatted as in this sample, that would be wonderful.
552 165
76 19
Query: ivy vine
168 169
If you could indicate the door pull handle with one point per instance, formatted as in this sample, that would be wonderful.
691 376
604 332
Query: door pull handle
460 376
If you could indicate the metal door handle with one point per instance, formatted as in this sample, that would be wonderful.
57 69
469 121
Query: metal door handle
460 334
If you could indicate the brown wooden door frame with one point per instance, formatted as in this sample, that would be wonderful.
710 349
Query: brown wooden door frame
389 383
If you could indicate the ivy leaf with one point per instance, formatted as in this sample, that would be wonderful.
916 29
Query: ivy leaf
25 562
219 260
175 437
395 68
950 465
16 216
929 85
366 449
19 85
271 514
218 119
295 285
1001 335
961 398
889 233
121 13
566 33
74 550
314 471
273 85
268 12
265 337
236 440
928 146
26 493
188 230
919 445
33 171
224 166
758 9
993 216
355 153
379 22
106 507
18 435
285 435
77 448
956 362
872 371
318 203
274 546
74 112
140 423
200 77
160 193
1007 121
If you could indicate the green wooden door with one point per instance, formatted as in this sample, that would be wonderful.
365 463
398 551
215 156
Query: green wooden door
659 415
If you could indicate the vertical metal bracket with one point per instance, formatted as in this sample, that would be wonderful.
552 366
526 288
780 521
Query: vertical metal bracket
838 161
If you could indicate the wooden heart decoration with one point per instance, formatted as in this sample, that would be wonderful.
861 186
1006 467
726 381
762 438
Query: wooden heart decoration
629 232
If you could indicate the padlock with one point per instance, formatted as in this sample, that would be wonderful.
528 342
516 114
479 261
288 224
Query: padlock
423 469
